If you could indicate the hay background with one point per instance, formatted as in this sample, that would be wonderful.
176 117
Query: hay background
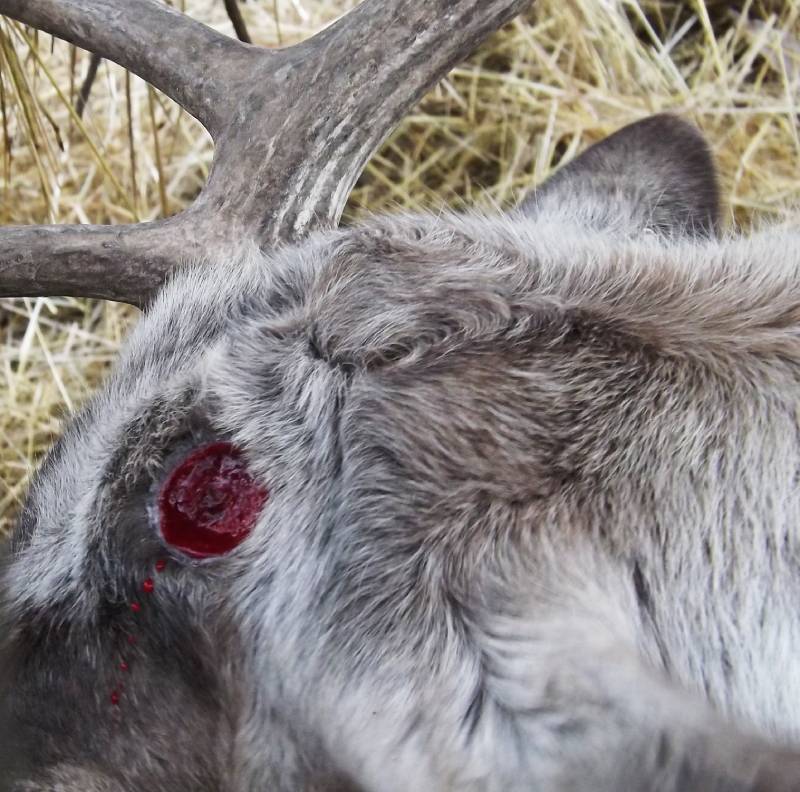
565 75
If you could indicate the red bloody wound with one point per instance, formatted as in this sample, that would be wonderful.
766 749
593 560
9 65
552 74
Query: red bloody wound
210 502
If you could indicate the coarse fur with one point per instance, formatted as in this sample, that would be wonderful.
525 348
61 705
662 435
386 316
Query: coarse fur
533 515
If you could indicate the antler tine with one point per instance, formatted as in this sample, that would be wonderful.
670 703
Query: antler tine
292 128
188 61
285 166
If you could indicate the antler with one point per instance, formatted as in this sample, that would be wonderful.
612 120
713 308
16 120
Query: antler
292 128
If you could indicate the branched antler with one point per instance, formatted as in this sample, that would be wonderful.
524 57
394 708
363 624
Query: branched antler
292 128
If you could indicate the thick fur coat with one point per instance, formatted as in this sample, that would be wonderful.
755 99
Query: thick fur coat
534 514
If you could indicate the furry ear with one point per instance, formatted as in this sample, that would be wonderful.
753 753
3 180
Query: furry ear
657 174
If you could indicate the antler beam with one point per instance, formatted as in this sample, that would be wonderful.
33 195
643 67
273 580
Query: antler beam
293 128
120 262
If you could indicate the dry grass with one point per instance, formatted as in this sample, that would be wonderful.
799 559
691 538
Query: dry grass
566 75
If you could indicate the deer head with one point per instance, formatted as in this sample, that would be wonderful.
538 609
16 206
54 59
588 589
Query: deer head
353 512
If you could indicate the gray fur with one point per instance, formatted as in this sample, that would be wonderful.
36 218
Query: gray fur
532 520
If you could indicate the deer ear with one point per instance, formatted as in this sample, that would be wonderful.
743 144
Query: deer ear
657 174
